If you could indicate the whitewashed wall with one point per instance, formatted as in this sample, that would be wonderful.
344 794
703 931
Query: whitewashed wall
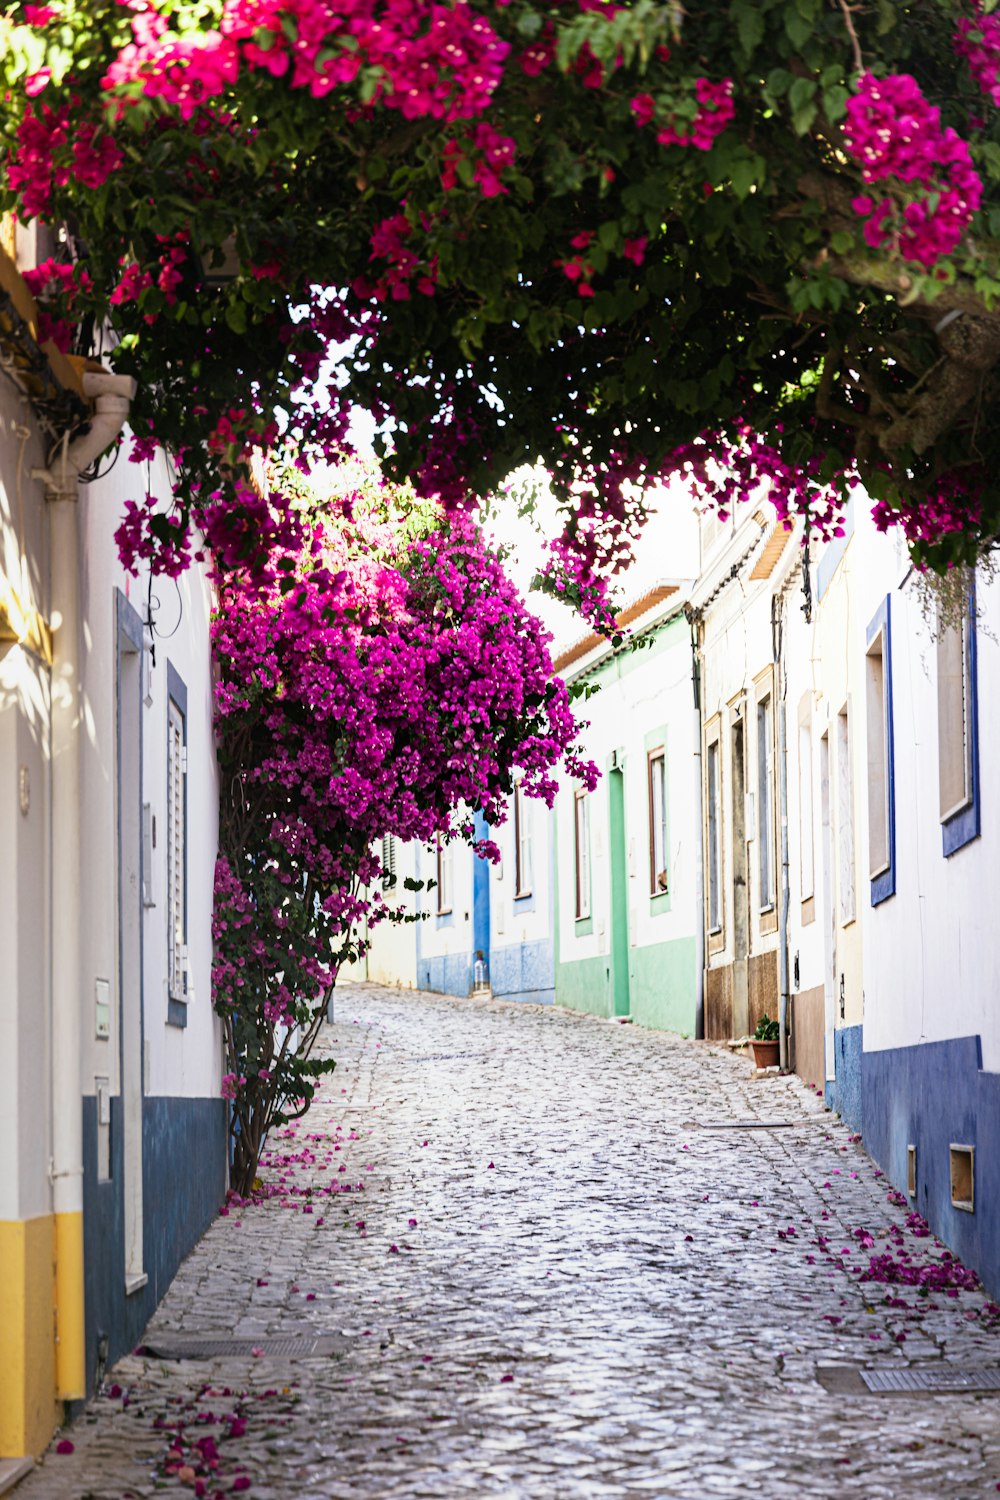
177 1061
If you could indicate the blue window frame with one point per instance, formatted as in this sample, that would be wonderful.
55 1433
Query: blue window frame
958 729
881 756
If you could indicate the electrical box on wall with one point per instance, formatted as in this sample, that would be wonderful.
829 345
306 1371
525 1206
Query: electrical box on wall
102 1009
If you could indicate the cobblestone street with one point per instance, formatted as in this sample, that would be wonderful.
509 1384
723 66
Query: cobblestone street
559 1272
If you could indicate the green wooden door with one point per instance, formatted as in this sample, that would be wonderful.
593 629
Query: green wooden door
620 992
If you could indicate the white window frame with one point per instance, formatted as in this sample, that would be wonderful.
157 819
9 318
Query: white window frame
177 839
713 833
847 894
581 853
388 860
659 874
522 845
444 872
766 874
807 850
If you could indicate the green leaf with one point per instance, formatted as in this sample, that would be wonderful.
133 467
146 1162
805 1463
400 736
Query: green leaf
236 316
749 25
835 102
798 28
802 98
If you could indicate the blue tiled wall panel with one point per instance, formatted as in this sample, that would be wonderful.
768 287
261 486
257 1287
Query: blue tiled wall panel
524 971
933 1096
845 1094
445 973
184 1153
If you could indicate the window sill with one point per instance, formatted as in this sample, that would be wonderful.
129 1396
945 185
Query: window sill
177 1012
960 829
522 895
583 926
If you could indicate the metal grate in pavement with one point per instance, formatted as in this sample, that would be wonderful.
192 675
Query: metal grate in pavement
290 1346
749 1124
941 1379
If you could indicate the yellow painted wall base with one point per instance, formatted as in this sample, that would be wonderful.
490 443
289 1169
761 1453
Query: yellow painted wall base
29 1411
71 1364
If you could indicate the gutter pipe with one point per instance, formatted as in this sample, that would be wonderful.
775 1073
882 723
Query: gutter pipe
112 395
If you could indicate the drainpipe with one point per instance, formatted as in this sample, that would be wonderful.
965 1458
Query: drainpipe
694 621
111 394
777 623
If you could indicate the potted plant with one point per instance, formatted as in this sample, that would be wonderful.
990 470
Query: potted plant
765 1042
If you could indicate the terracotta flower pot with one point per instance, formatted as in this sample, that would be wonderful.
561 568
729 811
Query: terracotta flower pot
765 1054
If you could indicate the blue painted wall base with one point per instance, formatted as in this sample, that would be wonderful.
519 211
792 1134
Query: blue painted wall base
184 1146
445 974
845 1093
933 1096
524 971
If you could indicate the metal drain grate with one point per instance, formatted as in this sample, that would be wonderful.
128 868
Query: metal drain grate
749 1124
297 1346
941 1379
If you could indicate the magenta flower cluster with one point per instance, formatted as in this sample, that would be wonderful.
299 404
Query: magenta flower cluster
727 470
439 60
934 189
977 39
715 110
385 677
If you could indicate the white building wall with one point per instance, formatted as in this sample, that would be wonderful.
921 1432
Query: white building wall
177 1061
932 961
644 700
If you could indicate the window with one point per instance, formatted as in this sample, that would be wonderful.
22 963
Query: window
177 956
444 876
806 861
388 861
659 881
881 810
845 818
714 851
765 801
522 844
581 848
958 730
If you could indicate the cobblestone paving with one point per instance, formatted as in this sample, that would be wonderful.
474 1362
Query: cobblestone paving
558 1280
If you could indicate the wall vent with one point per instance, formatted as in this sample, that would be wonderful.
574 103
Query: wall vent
911 1171
963 1177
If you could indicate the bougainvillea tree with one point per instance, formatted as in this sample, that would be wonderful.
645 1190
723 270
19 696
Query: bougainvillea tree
385 678
618 238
